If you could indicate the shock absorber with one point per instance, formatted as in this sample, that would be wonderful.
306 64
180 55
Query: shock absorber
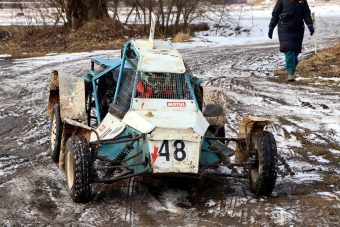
124 152
224 159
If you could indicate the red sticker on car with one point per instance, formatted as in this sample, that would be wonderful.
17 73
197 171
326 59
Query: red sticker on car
176 104
102 128
154 154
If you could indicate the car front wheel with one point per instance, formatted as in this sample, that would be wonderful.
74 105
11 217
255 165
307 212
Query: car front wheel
263 173
55 133
78 168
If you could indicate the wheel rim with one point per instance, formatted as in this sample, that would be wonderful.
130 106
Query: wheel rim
69 170
53 132
254 173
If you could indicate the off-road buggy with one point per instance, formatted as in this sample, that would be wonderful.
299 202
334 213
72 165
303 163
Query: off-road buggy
147 114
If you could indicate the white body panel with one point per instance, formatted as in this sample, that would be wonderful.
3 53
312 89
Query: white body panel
109 128
163 104
148 114
188 144
71 97
167 123
162 57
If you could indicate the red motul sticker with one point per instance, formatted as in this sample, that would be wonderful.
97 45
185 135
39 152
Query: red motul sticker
102 128
176 104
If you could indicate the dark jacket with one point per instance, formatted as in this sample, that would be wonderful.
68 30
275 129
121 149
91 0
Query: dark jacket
289 15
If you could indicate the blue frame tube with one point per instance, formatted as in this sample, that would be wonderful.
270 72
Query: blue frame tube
122 65
136 77
192 92
178 82
96 100
96 77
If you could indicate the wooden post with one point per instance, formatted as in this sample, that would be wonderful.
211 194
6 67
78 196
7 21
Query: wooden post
152 29
315 46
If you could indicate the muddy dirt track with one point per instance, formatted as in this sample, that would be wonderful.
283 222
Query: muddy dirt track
32 189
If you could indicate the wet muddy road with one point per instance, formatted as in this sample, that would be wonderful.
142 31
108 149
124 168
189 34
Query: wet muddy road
32 189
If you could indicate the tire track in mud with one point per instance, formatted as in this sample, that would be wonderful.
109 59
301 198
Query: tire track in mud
243 72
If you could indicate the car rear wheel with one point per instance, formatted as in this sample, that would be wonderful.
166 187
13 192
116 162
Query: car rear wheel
78 169
262 174
55 133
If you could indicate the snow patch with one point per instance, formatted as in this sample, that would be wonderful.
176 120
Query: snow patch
330 195
304 173
335 152
336 79
318 159
5 56
281 216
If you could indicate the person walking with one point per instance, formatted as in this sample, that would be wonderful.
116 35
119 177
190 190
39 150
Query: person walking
290 16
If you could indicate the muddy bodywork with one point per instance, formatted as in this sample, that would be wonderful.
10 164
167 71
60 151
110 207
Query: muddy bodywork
167 135
69 93
71 128
248 126
214 95
143 114
54 92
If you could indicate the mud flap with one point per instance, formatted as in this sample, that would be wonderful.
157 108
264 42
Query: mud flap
69 92
72 97
214 95
248 125
71 128
54 92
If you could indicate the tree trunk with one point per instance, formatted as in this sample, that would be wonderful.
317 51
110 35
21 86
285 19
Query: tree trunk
161 11
179 7
80 12
170 12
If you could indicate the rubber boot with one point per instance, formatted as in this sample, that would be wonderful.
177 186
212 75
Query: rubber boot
290 76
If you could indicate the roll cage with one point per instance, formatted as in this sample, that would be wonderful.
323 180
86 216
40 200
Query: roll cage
120 71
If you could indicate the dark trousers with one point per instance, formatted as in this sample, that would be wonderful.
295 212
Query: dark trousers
291 61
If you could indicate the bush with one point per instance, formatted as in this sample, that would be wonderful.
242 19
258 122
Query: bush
181 37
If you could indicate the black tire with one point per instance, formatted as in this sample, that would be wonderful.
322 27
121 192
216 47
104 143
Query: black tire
78 169
55 133
262 175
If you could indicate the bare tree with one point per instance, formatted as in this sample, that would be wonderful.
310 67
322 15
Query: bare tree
78 12
114 4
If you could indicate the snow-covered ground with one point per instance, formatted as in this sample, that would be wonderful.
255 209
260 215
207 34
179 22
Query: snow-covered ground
33 189
255 19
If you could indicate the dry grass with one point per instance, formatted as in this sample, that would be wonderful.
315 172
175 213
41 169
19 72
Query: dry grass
331 179
27 41
326 63
181 37
317 69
